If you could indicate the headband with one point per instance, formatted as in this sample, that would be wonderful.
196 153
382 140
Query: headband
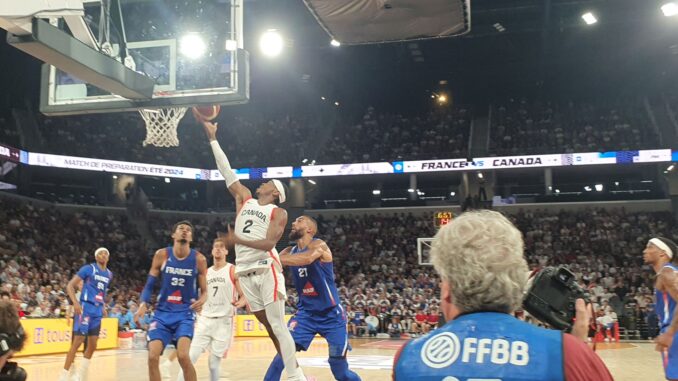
662 246
281 190
99 250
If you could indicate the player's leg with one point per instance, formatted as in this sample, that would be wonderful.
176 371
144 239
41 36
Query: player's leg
200 342
159 335
70 356
183 349
251 288
302 334
275 314
221 341
155 348
337 340
90 346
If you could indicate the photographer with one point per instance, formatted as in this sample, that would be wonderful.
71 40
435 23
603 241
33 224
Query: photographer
479 257
12 340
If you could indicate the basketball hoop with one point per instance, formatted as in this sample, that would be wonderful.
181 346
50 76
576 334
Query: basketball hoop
161 126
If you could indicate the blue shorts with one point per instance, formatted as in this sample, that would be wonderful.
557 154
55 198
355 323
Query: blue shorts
330 324
168 327
86 324
670 359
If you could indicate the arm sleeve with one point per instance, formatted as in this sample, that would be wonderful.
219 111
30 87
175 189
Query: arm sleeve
148 289
223 164
581 363
84 272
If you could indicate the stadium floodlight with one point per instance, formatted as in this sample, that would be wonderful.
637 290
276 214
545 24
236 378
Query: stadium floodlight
192 46
323 98
587 188
336 104
670 9
442 99
335 43
599 187
411 190
452 194
167 180
480 175
557 191
231 45
616 183
670 168
376 192
271 43
115 176
312 182
589 18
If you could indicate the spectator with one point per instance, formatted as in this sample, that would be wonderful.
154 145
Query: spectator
395 329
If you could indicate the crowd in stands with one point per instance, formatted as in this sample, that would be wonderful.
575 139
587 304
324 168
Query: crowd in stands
380 281
522 127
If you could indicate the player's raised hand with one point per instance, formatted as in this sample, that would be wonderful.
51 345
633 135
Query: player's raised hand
210 129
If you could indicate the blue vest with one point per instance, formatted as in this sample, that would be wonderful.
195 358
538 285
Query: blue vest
315 284
178 289
665 305
485 345
95 283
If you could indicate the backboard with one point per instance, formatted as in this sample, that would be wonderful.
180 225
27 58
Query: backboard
424 251
192 49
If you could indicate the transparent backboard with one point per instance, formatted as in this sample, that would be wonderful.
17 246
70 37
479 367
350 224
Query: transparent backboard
192 49
424 251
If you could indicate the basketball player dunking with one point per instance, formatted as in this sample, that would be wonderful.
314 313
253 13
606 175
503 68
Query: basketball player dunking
319 308
214 328
88 310
259 224
183 271
662 254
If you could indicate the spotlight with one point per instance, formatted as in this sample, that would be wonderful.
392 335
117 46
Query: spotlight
115 176
480 175
271 43
304 161
336 104
670 9
589 18
376 192
323 98
411 190
452 194
670 168
335 43
442 99
599 187
231 45
312 182
192 46
167 180
557 191
587 188
616 183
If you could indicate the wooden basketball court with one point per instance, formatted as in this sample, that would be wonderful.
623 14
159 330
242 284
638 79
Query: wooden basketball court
248 360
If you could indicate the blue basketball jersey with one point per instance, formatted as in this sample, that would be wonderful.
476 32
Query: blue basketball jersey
665 305
483 346
95 283
315 284
178 289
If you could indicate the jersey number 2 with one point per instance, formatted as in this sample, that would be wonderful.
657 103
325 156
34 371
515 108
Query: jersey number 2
248 225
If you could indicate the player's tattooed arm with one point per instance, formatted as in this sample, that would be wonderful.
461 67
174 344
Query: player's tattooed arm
320 245
669 280
202 283
314 252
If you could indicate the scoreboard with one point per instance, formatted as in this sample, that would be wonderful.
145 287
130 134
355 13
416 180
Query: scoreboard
442 218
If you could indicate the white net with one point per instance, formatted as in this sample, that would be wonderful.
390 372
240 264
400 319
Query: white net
161 126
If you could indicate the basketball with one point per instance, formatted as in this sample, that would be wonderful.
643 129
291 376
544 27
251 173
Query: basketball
206 113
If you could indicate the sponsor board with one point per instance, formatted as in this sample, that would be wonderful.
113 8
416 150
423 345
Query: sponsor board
46 336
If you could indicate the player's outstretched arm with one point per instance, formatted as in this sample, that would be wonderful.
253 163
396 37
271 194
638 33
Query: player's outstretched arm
669 280
239 191
158 259
202 283
315 251
273 235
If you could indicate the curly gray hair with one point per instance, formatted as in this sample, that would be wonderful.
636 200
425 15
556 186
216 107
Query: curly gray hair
480 254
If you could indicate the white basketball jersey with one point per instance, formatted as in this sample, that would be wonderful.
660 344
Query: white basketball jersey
221 292
252 224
